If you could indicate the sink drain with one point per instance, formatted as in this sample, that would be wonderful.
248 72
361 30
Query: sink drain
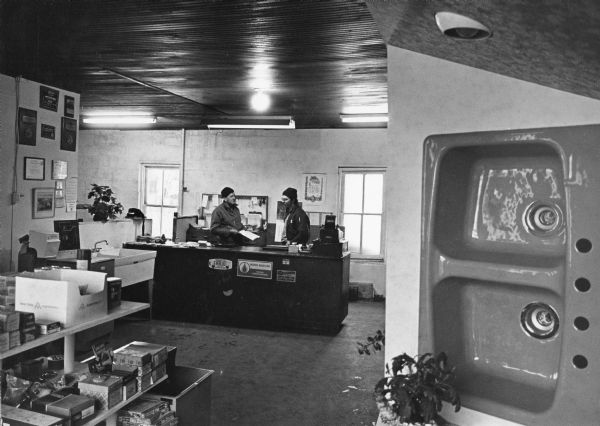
539 320
542 218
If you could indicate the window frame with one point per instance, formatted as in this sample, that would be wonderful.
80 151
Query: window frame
142 186
342 171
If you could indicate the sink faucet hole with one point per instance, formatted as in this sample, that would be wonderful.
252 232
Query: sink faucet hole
583 245
579 361
582 284
581 323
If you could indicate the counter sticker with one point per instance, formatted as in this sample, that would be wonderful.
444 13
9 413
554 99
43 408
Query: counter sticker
286 276
255 269
220 264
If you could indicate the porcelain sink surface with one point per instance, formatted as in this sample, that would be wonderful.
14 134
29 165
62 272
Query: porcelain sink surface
508 270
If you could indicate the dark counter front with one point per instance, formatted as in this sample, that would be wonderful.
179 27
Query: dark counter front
250 287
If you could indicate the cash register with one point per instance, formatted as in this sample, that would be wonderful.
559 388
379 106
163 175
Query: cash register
329 243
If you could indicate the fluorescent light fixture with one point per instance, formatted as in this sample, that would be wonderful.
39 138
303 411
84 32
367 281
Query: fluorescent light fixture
119 119
364 118
253 122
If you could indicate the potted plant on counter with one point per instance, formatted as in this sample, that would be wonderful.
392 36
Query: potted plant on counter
104 205
413 388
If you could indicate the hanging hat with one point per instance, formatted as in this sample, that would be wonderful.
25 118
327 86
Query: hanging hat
291 193
226 191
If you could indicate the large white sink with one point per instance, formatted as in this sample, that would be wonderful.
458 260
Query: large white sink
131 265
125 256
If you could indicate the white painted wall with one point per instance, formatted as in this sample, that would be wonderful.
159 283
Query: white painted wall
430 96
252 162
16 220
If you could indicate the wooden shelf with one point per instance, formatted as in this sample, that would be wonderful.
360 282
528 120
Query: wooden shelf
111 413
125 309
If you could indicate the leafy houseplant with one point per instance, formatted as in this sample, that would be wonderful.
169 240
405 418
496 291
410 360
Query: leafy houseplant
413 388
105 205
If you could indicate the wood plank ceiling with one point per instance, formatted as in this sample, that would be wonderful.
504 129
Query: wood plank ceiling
190 62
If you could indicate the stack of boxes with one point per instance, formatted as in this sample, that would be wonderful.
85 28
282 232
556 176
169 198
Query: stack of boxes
28 331
106 389
147 360
146 412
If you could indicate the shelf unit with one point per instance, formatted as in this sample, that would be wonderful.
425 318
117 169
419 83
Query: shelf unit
126 308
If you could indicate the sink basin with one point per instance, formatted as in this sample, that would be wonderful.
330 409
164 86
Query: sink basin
125 256
510 219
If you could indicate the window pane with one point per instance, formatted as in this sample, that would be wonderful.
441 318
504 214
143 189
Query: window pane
153 186
352 231
371 234
171 187
353 190
374 193
154 214
166 226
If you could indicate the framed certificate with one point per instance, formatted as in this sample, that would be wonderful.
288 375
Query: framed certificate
43 203
59 169
34 168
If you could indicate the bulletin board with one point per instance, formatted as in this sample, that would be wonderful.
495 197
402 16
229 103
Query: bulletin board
254 208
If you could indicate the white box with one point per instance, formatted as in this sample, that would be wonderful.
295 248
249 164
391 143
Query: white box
54 295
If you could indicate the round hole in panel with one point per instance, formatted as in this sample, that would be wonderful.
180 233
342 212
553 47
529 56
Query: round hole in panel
581 323
539 320
580 361
583 245
582 284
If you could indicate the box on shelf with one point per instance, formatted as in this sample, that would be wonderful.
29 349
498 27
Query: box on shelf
9 320
129 382
142 410
74 408
187 391
158 352
113 292
19 417
106 389
55 295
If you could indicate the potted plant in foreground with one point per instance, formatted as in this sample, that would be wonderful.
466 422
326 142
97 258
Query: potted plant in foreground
105 205
413 389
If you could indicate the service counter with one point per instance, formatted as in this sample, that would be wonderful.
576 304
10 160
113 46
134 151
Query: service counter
250 287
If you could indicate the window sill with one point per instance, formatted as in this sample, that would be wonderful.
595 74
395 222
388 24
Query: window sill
357 258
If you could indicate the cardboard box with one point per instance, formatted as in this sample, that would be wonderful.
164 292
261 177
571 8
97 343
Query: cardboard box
106 389
55 295
159 352
19 417
142 408
75 409
9 320
159 372
133 356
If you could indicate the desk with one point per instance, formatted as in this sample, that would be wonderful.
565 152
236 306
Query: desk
250 287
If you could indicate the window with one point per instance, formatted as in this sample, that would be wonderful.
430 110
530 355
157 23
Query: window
362 210
160 196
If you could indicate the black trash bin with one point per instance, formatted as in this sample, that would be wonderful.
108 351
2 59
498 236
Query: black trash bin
187 390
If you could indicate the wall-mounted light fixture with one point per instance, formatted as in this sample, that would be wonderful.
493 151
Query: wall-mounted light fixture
364 118
253 122
461 27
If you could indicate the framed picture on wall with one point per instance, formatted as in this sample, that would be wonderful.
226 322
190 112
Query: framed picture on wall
43 203
68 134
313 187
59 169
34 168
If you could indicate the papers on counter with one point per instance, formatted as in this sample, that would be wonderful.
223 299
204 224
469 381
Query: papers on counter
250 235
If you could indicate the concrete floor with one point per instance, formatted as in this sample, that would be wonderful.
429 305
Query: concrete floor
276 378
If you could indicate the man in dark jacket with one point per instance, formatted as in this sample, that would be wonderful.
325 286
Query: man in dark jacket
226 220
297 224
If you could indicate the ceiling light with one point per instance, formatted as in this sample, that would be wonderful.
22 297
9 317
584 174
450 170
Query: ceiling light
254 122
119 119
364 118
260 101
461 27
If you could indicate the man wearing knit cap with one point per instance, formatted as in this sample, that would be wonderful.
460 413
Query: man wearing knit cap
226 221
297 224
